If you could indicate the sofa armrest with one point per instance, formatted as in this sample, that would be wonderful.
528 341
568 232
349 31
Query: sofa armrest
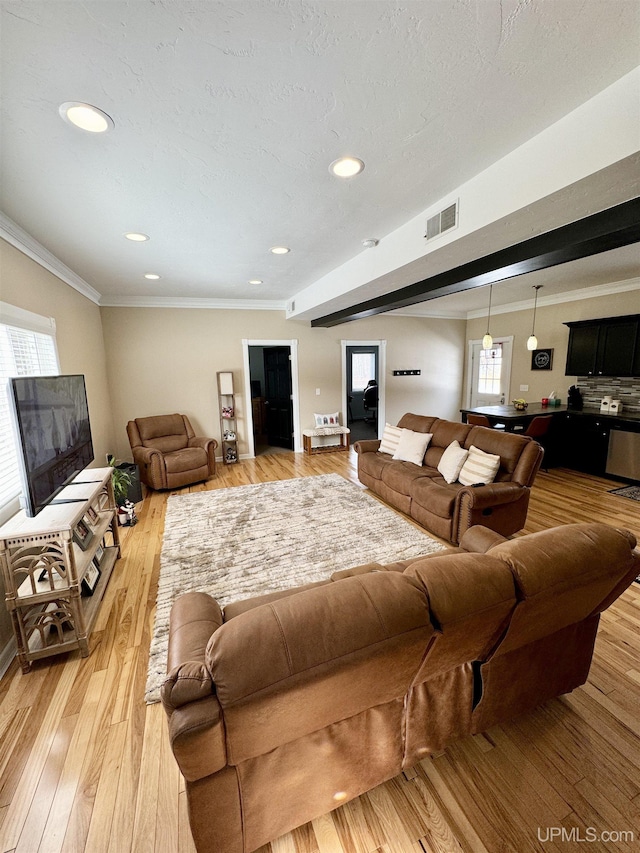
491 495
367 445
479 539
145 455
151 465
187 682
201 441
196 726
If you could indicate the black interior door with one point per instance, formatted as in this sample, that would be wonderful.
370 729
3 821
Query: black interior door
279 406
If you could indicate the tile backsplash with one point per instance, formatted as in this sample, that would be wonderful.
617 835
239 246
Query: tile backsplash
625 389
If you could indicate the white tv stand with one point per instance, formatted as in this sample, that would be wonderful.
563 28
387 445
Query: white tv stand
53 585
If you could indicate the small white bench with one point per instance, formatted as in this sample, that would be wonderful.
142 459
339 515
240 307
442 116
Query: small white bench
309 434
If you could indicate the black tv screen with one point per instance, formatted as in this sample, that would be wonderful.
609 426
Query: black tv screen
54 433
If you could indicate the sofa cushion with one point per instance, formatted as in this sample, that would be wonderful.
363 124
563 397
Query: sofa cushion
163 432
390 439
479 467
444 433
399 476
295 665
412 446
451 461
436 495
418 423
187 459
373 464
509 446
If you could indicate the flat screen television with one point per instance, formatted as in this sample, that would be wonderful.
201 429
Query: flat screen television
54 434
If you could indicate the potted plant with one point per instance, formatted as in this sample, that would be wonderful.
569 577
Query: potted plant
121 479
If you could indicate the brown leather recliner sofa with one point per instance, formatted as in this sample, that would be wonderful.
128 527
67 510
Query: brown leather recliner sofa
448 509
286 706
168 452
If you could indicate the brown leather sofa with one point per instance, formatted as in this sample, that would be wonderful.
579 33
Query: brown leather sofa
449 509
168 452
286 706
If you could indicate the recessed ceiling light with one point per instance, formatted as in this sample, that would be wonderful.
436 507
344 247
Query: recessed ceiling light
255 281
346 167
136 237
152 276
86 117
370 243
279 250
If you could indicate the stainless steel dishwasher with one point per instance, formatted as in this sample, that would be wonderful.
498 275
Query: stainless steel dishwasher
623 455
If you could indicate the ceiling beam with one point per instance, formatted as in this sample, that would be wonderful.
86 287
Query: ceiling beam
608 229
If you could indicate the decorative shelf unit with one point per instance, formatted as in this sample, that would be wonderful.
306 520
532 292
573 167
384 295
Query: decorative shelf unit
56 567
228 424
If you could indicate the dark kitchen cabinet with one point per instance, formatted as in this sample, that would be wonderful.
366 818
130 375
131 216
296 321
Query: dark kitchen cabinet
607 347
583 442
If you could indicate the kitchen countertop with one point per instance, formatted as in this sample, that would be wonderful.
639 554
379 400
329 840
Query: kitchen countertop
594 411
508 412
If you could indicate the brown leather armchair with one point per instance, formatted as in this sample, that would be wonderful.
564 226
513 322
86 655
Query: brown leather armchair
168 452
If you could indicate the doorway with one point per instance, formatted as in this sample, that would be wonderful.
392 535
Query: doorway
489 373
363 391
272 388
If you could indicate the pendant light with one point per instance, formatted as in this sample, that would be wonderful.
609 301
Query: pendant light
532 342
487 341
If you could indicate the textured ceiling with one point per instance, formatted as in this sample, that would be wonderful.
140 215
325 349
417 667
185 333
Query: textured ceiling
227 115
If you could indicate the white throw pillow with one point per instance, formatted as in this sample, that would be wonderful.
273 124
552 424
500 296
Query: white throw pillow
331 419
412 446
451 461
390 439
480 467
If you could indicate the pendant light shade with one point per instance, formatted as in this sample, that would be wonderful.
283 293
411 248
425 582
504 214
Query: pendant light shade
487 341
532 341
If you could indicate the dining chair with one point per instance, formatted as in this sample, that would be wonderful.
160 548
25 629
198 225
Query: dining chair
482 420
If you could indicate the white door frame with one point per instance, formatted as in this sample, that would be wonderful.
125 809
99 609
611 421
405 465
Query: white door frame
295 394
507 372
382 362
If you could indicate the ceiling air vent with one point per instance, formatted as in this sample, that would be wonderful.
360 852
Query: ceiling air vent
443 221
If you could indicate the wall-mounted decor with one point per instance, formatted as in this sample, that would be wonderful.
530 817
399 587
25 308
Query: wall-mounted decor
542 359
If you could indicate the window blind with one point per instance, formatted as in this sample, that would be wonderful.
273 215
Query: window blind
23 352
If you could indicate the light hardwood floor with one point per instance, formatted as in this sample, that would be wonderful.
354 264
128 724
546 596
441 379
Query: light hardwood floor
85 765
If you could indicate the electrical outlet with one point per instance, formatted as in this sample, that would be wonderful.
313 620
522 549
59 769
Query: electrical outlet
524 387
317 392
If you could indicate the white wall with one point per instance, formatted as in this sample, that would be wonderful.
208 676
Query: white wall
165 360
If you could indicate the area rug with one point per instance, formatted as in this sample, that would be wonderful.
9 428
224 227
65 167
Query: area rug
632 492
244 541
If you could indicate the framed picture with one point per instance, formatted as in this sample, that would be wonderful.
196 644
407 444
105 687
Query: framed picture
90 579
542 359
97 557
91 515
82 534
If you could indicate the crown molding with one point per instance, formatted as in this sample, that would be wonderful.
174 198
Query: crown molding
25 243
560 298
126 301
